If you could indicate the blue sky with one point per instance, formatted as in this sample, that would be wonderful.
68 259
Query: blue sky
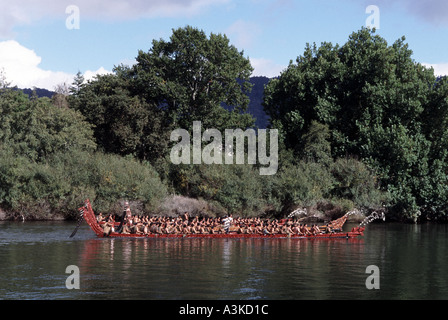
37 48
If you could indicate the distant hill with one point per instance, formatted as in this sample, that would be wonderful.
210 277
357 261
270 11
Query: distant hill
255 105
39 92
256 99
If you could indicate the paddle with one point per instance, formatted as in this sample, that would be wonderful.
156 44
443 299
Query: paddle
81 218
120 227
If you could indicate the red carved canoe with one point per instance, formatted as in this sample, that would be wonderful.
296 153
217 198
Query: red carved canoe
89 216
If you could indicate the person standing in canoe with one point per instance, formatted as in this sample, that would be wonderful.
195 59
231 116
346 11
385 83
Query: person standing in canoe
127 210
127 216
227 222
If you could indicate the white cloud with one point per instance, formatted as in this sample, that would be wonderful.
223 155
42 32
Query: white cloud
21 67
265 67
19 12
89 75
440 69
243 33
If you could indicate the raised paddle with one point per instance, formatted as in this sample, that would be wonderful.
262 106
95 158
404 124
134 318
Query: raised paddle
81 218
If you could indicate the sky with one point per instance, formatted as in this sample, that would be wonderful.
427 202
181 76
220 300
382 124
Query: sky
44 43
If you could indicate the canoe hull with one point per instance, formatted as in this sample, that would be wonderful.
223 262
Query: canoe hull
89 217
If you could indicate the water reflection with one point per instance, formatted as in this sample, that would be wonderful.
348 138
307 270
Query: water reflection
412 261
217 268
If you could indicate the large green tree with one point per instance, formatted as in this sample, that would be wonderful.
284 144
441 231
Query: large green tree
123 123
192 76
380 105
36 128
189 78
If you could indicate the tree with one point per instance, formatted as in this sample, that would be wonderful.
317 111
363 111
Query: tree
60 96
191 76
77 83
317 148
124 123
3 80
36 128
177 82
379 104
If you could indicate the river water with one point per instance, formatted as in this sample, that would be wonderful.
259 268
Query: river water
411 261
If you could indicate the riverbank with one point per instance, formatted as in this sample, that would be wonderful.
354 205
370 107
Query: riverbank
177 205
6 215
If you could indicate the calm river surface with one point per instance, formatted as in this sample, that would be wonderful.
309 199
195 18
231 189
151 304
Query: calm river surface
412 262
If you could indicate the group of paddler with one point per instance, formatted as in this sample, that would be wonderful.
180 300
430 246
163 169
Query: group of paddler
185 224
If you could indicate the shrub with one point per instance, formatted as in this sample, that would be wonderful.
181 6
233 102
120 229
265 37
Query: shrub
237 188
354 181
111 178
32 190
175 205
302 184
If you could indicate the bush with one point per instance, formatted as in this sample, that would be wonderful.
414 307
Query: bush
237 188
334 208
30 189
354 181
344 183
111 178
33 190
304 184
176 205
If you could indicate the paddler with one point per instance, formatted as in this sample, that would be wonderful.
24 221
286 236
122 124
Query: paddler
227 222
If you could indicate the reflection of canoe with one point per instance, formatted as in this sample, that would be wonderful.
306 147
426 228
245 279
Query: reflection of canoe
89 216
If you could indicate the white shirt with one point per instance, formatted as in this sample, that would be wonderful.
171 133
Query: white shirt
227 222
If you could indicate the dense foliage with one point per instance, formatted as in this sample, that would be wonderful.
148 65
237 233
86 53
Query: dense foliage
380 106
361 125
49 164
